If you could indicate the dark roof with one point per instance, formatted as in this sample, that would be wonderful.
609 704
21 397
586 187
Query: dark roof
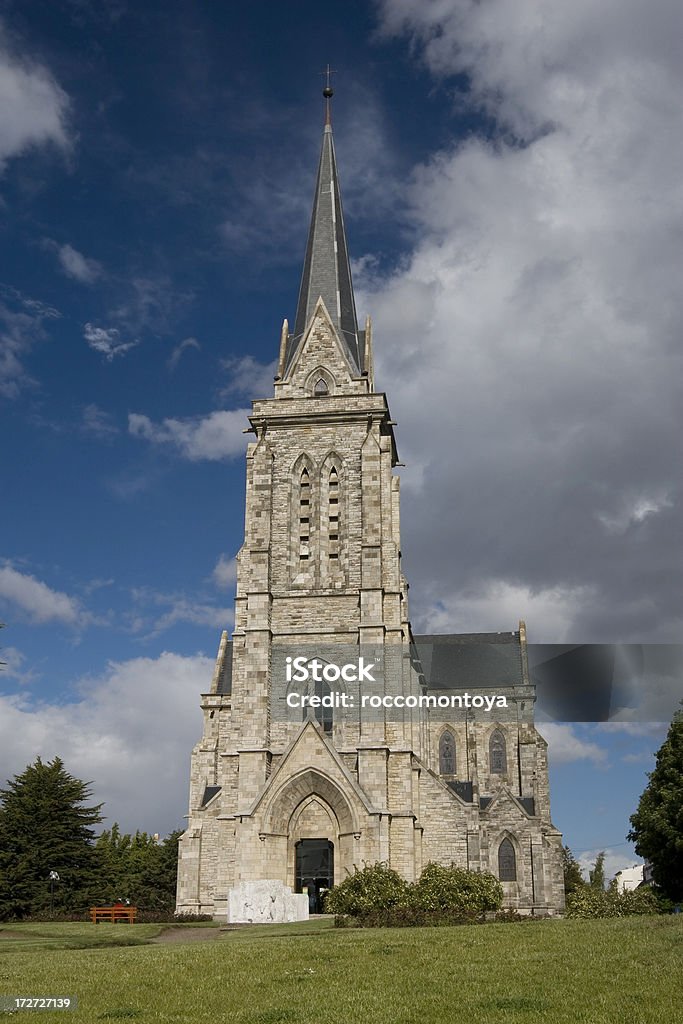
458 660
209 794
327 271
463 789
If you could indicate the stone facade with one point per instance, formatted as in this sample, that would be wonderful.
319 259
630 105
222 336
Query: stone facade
320 566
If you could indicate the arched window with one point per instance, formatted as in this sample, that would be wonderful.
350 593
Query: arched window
447 753
497 753
321 388
304 520
507 862
333 517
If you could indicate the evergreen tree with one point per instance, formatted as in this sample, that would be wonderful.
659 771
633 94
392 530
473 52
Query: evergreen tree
657 825
138 868
46 826
573 878
596 876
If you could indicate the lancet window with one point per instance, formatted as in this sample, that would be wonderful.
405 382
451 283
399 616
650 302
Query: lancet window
304 520
333 517
447 753
507 862
497 753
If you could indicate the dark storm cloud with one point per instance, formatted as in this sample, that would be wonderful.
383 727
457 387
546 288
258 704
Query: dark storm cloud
530 348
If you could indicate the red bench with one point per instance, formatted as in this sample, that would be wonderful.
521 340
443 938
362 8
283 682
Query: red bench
114 914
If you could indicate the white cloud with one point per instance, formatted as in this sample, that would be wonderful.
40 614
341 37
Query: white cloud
565 745
225 571
76 265
529 344
181 347
98 422
131 732
498 606
216 436
179 608
616 859
637 729
198 614
33 107
38 601
11 666
22 321
249 377
633 511
106 341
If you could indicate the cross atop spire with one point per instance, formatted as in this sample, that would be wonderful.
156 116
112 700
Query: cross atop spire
327 270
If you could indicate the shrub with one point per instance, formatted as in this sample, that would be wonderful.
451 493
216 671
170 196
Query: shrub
456 890
373 887
377 896
588 902
414 917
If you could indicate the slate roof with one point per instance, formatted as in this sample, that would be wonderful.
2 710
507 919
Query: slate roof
327 271
482 660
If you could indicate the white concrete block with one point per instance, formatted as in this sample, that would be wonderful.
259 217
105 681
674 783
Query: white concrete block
267 901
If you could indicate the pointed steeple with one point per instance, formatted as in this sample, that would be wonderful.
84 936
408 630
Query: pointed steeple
327 271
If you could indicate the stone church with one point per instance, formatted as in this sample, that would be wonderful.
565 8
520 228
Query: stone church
286 800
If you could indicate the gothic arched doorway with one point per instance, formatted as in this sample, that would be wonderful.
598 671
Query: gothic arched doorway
314 870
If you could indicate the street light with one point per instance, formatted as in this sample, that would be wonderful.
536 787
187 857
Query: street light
54 877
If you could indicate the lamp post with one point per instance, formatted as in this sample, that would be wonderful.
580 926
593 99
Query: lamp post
54 877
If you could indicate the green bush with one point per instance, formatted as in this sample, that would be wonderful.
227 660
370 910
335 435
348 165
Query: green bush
412 917
377 896
456 890
588 902
373 887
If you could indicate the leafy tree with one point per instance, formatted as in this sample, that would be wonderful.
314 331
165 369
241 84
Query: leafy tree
573 878
596 875
138 868
657 825
46 826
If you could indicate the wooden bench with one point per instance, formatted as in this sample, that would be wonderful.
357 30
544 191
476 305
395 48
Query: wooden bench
114 914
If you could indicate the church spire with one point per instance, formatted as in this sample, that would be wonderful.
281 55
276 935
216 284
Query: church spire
327 271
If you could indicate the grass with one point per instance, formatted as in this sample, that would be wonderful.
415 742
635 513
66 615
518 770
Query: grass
621 971
16 938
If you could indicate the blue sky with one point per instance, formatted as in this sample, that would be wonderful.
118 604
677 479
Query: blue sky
513 206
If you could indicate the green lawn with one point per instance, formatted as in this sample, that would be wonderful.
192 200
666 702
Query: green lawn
624 971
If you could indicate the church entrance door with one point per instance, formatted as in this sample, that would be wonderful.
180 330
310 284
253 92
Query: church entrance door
314 870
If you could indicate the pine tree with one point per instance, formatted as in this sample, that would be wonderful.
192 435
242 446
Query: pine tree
573 879
657 825
596 876
45 826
